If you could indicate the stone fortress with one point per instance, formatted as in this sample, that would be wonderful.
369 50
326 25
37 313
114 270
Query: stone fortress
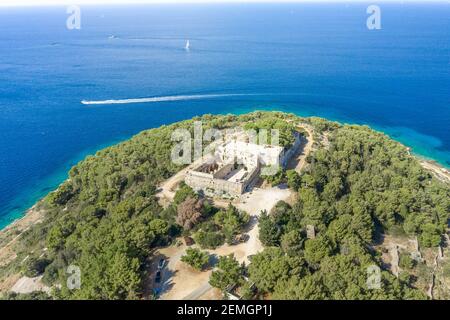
235 166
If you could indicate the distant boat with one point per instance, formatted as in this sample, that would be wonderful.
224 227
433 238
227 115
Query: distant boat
112 37
187 46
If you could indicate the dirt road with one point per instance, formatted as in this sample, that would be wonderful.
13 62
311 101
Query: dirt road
182 282
298 162
167 188
179 281
439 172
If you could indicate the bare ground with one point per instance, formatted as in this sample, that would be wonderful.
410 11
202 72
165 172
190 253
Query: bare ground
438 171
28 285
182 282
167 189
298 162
10 235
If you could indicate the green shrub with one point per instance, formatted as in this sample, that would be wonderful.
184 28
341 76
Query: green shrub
406 262
209 239
34 267
195 258
228 273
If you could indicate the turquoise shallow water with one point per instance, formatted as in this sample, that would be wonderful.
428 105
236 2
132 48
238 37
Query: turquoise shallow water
307 59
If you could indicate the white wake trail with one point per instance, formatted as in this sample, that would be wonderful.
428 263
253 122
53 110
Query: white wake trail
165 99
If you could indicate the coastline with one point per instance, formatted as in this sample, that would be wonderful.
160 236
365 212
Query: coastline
51 183
10 234
34 214
439 171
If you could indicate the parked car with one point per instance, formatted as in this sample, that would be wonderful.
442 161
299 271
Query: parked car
161 264
158 277
242 238
155 293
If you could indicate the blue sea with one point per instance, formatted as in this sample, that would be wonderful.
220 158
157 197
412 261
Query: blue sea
310 59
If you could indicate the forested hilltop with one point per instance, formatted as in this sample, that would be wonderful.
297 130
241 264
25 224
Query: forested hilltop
358 186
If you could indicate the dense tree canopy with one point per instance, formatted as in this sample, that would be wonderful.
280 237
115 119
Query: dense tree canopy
359 184
195 258
229 273
106 220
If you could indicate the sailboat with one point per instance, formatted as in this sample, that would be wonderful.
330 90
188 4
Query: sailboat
187 46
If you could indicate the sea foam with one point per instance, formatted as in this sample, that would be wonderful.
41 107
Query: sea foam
164 98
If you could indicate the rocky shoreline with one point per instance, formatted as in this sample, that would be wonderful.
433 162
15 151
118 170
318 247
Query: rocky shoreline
439 171
34 214
11 233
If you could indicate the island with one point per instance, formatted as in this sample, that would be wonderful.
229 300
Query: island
319 210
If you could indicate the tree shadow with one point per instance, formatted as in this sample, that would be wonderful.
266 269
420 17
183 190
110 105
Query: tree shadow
152 288
253 221
295 158
166 284
213 260
378 234
283 186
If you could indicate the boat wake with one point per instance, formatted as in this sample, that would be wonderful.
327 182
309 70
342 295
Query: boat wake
166 98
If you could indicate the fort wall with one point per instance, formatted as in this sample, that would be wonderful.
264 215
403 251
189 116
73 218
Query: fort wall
211 179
